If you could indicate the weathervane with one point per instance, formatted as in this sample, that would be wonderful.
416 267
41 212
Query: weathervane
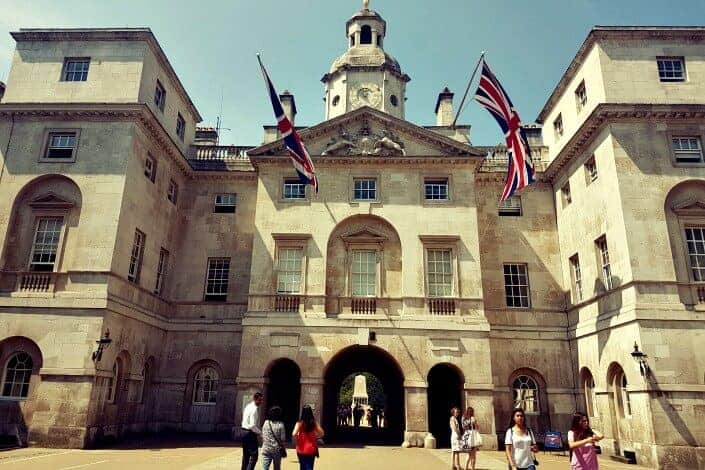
365 4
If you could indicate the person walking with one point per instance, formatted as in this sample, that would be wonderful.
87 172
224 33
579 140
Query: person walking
519 443
456 445
273 437
307 431
581 440
250 426
471 438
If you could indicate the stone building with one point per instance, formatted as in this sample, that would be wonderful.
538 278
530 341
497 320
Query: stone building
152 280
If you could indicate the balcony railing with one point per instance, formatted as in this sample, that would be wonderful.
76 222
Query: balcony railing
363 305
36 282
287 303
441 306
219 153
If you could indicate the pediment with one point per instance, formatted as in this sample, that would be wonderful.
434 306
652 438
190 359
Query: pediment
689 206
365 235
367 132
51 201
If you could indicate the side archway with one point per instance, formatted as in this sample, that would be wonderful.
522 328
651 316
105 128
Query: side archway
284 390
445 391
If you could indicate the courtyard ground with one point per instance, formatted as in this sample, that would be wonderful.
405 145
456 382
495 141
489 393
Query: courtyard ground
208 455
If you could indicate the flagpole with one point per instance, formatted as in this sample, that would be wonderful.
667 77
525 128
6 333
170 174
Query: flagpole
467 89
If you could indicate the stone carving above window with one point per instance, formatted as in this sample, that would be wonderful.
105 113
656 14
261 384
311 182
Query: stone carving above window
365 142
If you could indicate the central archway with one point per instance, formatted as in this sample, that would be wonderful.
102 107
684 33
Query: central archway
379 363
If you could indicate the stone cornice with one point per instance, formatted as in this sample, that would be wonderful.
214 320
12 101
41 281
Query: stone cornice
598 33
369 160
618 112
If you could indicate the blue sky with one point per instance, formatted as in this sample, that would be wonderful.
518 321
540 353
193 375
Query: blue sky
212 46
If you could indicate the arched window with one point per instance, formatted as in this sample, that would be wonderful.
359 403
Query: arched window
366 35
113 382
526 394
18 372
625 399
144 383
205 386
617 381
589 392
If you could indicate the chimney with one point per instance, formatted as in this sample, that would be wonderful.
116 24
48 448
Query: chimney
289 105
444 108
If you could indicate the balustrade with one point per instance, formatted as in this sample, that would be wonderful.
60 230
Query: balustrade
441 306
287 303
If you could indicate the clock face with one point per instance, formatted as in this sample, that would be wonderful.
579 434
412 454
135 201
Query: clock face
366 94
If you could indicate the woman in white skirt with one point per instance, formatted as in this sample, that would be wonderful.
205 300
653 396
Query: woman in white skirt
471 439
456 433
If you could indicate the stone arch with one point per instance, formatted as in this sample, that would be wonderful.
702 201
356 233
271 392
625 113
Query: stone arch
445 391
122 380
539 420
9 347
618 398
283 389
587 387
368 232
45 196
202 417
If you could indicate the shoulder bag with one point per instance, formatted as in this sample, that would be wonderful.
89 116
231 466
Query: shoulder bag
282 449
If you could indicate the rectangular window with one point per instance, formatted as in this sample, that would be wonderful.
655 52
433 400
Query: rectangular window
217 279
687 149
161 270
294 189
516 286
577 278
180 126
173 192
436 189
580 96
160 96
46 243
439 269
565 194
558 126
671 69
510 206
76 69
695 239
225 203
365 189
133 273
289 270
60 146
603 256
150 168
590 170
364 273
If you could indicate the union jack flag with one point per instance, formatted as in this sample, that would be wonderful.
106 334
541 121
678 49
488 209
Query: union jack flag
520 169
297 151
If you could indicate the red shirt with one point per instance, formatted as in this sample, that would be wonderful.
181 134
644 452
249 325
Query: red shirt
306 441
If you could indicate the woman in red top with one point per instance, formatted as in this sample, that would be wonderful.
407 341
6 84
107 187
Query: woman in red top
306 432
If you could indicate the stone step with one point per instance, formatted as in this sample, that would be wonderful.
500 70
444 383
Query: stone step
620 459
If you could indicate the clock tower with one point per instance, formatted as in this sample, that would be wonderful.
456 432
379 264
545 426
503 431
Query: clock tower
365 75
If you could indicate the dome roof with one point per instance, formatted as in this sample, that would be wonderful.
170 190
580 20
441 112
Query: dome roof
365 56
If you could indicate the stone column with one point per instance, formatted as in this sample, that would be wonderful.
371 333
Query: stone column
416 408
312 394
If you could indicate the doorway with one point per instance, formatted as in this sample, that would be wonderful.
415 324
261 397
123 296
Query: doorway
445 391
284 391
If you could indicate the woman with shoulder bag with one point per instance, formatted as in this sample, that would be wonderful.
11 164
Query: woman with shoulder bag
307 432
273 437
471 439
520 444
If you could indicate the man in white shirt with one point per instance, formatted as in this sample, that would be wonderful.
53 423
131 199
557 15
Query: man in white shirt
250 426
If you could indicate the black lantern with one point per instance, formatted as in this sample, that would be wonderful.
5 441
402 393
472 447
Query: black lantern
640 358
102 343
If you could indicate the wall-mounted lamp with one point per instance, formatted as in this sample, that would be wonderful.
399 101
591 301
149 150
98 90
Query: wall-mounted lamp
102 343
640 357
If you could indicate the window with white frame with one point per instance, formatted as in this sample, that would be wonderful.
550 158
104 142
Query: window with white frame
364 273
603 256
671 69
566 196
580 96
135 268
289 263
150 168
180 126
510 206
695 242
159 96
61 145
687 149
526 394
225 203
436 189
217 279
576 277
558 126
46 244
516 285
172 193
18 373
294 189
162 268
365 189
75 69
113 382
439 272
205 386
590 170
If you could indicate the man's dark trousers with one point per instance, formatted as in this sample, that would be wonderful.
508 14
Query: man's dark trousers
250 449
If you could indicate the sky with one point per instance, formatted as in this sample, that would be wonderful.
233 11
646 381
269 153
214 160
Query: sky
212 47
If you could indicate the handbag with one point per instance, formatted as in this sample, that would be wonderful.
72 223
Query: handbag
533 455
282 449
